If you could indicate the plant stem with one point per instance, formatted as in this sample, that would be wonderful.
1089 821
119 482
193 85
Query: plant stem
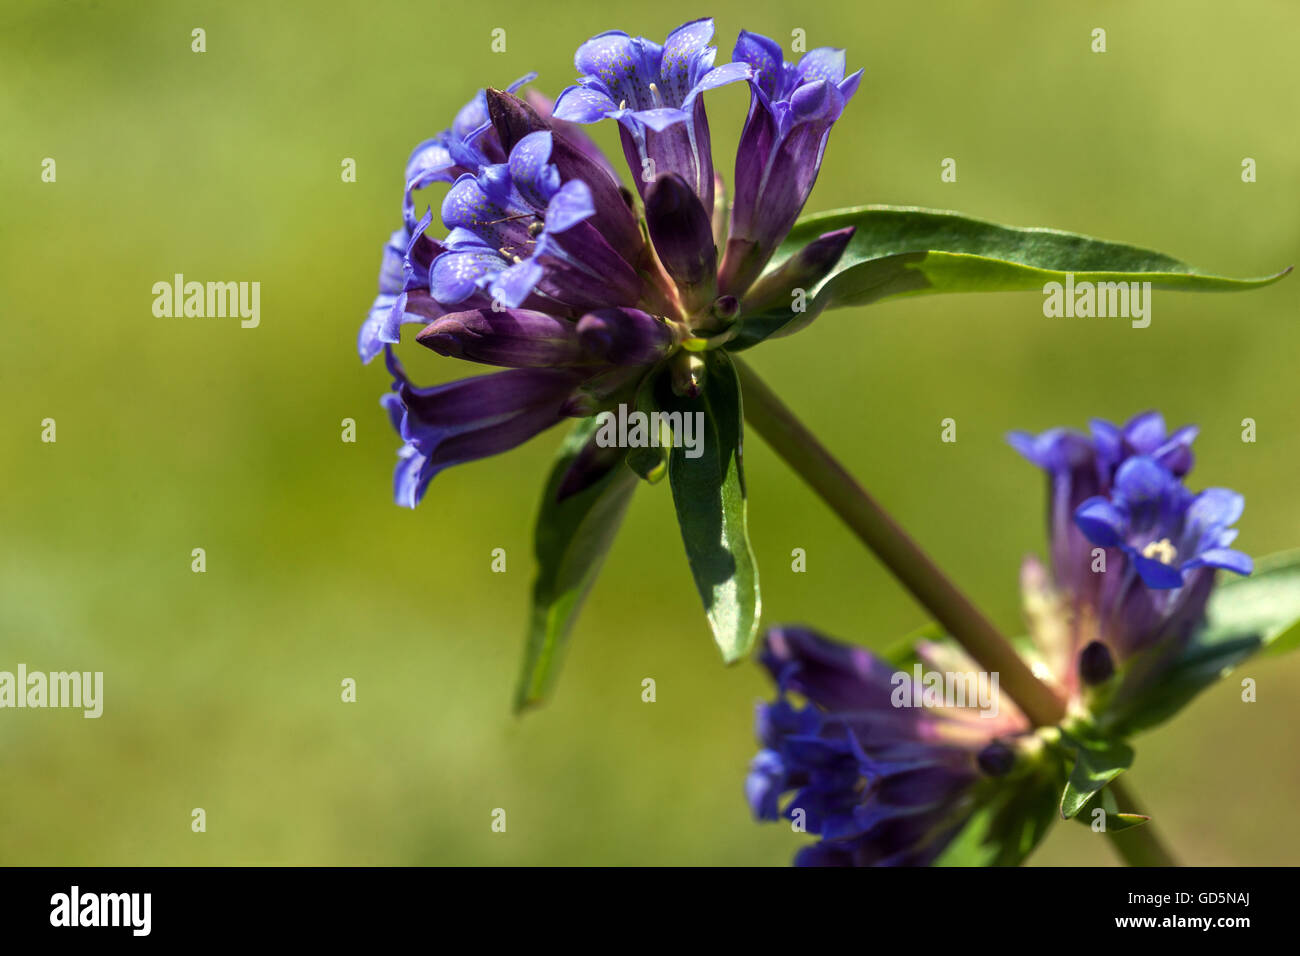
1138 846
800 449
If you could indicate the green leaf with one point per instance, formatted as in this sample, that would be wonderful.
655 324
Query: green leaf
709 494
1117 820
1264 605
1245 616
903 250
1096 763
571 539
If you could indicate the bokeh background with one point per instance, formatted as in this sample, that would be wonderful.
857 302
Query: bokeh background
223 688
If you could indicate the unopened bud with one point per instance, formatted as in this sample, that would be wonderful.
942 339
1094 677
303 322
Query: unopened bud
997 759
1096 665
725 308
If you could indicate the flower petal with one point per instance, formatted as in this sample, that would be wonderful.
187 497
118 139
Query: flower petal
1102 521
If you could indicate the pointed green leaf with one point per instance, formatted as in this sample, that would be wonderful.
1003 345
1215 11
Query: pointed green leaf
571 539
709 494
1119 822
1096 763
1116 820
902 250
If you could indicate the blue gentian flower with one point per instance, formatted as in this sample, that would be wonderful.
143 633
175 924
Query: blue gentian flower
468 144
517 226
403 277
881 785
1134 551
654 92
550 267
1081 466
791 111
469 419
1166 531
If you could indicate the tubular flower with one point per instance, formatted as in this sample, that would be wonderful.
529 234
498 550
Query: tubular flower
553 270
791 111
881 782
1134 551
655 94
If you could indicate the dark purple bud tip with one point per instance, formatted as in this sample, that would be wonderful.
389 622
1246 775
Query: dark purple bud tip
997 759
1096 665
511 117
726 307
444 343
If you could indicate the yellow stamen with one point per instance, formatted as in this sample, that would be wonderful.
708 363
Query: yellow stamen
1162 549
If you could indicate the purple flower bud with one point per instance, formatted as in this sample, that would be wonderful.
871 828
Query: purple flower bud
725 308
997 759
514 338
803 270
625 336
683 237
1096 666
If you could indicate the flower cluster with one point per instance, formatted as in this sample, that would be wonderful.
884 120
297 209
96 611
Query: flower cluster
882 785
586 294
553 270
1134 554
1134 551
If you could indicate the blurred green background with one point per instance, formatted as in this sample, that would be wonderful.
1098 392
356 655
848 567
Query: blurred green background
223 688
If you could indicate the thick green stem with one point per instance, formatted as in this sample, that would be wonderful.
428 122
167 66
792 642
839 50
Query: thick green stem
801 450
